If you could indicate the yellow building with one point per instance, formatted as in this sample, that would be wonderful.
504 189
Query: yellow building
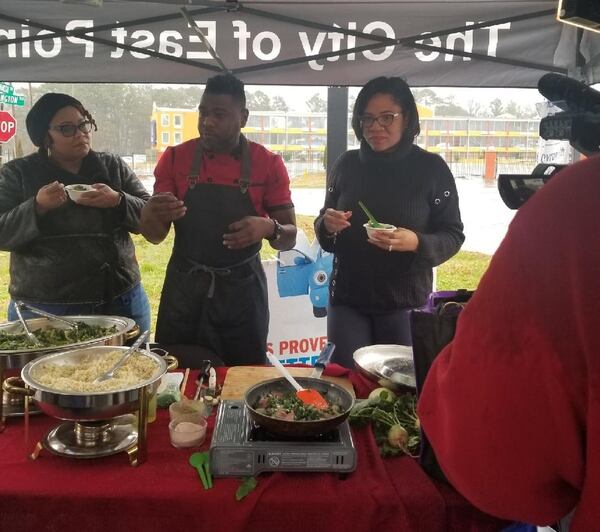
291 132
171 126
301 137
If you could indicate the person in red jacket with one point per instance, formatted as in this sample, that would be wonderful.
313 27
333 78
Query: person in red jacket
512 405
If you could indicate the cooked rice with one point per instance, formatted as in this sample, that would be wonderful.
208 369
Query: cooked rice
80 377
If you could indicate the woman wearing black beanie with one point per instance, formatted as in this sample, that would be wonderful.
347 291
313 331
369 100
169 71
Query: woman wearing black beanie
70 257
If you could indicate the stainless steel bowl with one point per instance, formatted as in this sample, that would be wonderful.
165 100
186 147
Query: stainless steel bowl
90 406
391 366
126 329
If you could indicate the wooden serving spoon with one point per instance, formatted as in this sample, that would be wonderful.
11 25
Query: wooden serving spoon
309 396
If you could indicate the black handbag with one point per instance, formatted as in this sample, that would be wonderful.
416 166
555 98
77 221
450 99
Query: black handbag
432 328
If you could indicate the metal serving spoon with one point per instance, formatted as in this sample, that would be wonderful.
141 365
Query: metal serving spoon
308 396
111 372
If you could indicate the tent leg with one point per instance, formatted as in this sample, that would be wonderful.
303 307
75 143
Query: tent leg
337 123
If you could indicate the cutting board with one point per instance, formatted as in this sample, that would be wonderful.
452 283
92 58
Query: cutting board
240 378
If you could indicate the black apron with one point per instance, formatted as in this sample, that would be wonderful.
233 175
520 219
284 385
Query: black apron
213 296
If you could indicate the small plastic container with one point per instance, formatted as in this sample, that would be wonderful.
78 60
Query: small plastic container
187 409
75 191
188 432
387 228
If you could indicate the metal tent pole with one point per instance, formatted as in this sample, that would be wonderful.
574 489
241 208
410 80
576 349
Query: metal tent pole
337 124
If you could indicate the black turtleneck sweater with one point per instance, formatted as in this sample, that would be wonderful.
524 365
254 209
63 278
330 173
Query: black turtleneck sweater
409 188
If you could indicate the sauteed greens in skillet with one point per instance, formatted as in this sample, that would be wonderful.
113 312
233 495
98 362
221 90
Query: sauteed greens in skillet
288 407
53 337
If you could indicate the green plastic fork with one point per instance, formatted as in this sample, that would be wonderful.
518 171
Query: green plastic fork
372 221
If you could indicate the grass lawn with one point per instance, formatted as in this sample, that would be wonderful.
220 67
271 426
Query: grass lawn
463 271
309 180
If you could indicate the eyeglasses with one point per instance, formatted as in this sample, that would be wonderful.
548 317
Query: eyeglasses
384 120
69 130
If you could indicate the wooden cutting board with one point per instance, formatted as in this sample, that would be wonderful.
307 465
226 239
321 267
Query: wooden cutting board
240 378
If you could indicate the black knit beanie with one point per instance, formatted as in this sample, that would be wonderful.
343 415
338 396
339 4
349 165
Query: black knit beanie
41 114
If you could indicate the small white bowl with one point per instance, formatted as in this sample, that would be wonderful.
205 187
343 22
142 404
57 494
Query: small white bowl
386 228
75 191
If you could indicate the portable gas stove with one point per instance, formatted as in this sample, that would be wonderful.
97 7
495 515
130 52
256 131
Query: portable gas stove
239 447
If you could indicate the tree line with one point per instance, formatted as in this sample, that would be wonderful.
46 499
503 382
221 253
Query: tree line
122 111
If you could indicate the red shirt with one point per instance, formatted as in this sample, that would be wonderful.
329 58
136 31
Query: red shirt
269 180
512 405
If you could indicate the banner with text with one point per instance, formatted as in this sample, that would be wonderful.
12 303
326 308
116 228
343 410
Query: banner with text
247 42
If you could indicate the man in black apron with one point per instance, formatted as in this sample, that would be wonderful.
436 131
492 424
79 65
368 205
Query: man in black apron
223 194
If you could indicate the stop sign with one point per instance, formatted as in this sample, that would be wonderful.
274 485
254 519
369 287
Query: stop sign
8 126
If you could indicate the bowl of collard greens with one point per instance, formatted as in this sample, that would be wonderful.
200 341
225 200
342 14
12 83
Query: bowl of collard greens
17 349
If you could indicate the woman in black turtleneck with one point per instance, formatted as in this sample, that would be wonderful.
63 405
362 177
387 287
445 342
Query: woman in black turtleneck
376 281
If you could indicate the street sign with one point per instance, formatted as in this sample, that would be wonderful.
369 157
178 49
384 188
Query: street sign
6 88
12 99
8 126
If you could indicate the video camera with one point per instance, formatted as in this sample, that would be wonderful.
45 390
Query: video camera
579 123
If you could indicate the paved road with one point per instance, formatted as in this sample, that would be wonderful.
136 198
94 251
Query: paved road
485 216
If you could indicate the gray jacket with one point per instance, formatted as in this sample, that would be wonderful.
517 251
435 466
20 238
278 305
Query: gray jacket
73 254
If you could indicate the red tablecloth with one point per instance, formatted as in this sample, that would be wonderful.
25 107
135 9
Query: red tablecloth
165 494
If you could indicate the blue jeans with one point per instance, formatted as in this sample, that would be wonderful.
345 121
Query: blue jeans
132 304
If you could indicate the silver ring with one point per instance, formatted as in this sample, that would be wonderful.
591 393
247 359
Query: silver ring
390 247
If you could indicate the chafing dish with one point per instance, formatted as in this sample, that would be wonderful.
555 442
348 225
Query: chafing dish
88 406
97 423
389 365
126 329
11 360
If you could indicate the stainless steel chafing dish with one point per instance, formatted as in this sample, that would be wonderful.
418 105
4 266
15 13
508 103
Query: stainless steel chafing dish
87 406
388 365
97 423
126 329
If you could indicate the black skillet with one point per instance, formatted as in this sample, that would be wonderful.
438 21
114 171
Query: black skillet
333 393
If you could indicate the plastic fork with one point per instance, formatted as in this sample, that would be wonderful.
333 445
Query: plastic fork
200 461
308 396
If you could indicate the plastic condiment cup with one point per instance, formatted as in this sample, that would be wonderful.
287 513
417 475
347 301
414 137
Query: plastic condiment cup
386 228
186 433
185 408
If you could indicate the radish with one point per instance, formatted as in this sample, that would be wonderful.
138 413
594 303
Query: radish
383 394
397 436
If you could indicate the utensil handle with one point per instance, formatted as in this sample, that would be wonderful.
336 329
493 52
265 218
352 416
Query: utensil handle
47 314
202 474
368 213
323 360
21 318
281 368
325 355
141 339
